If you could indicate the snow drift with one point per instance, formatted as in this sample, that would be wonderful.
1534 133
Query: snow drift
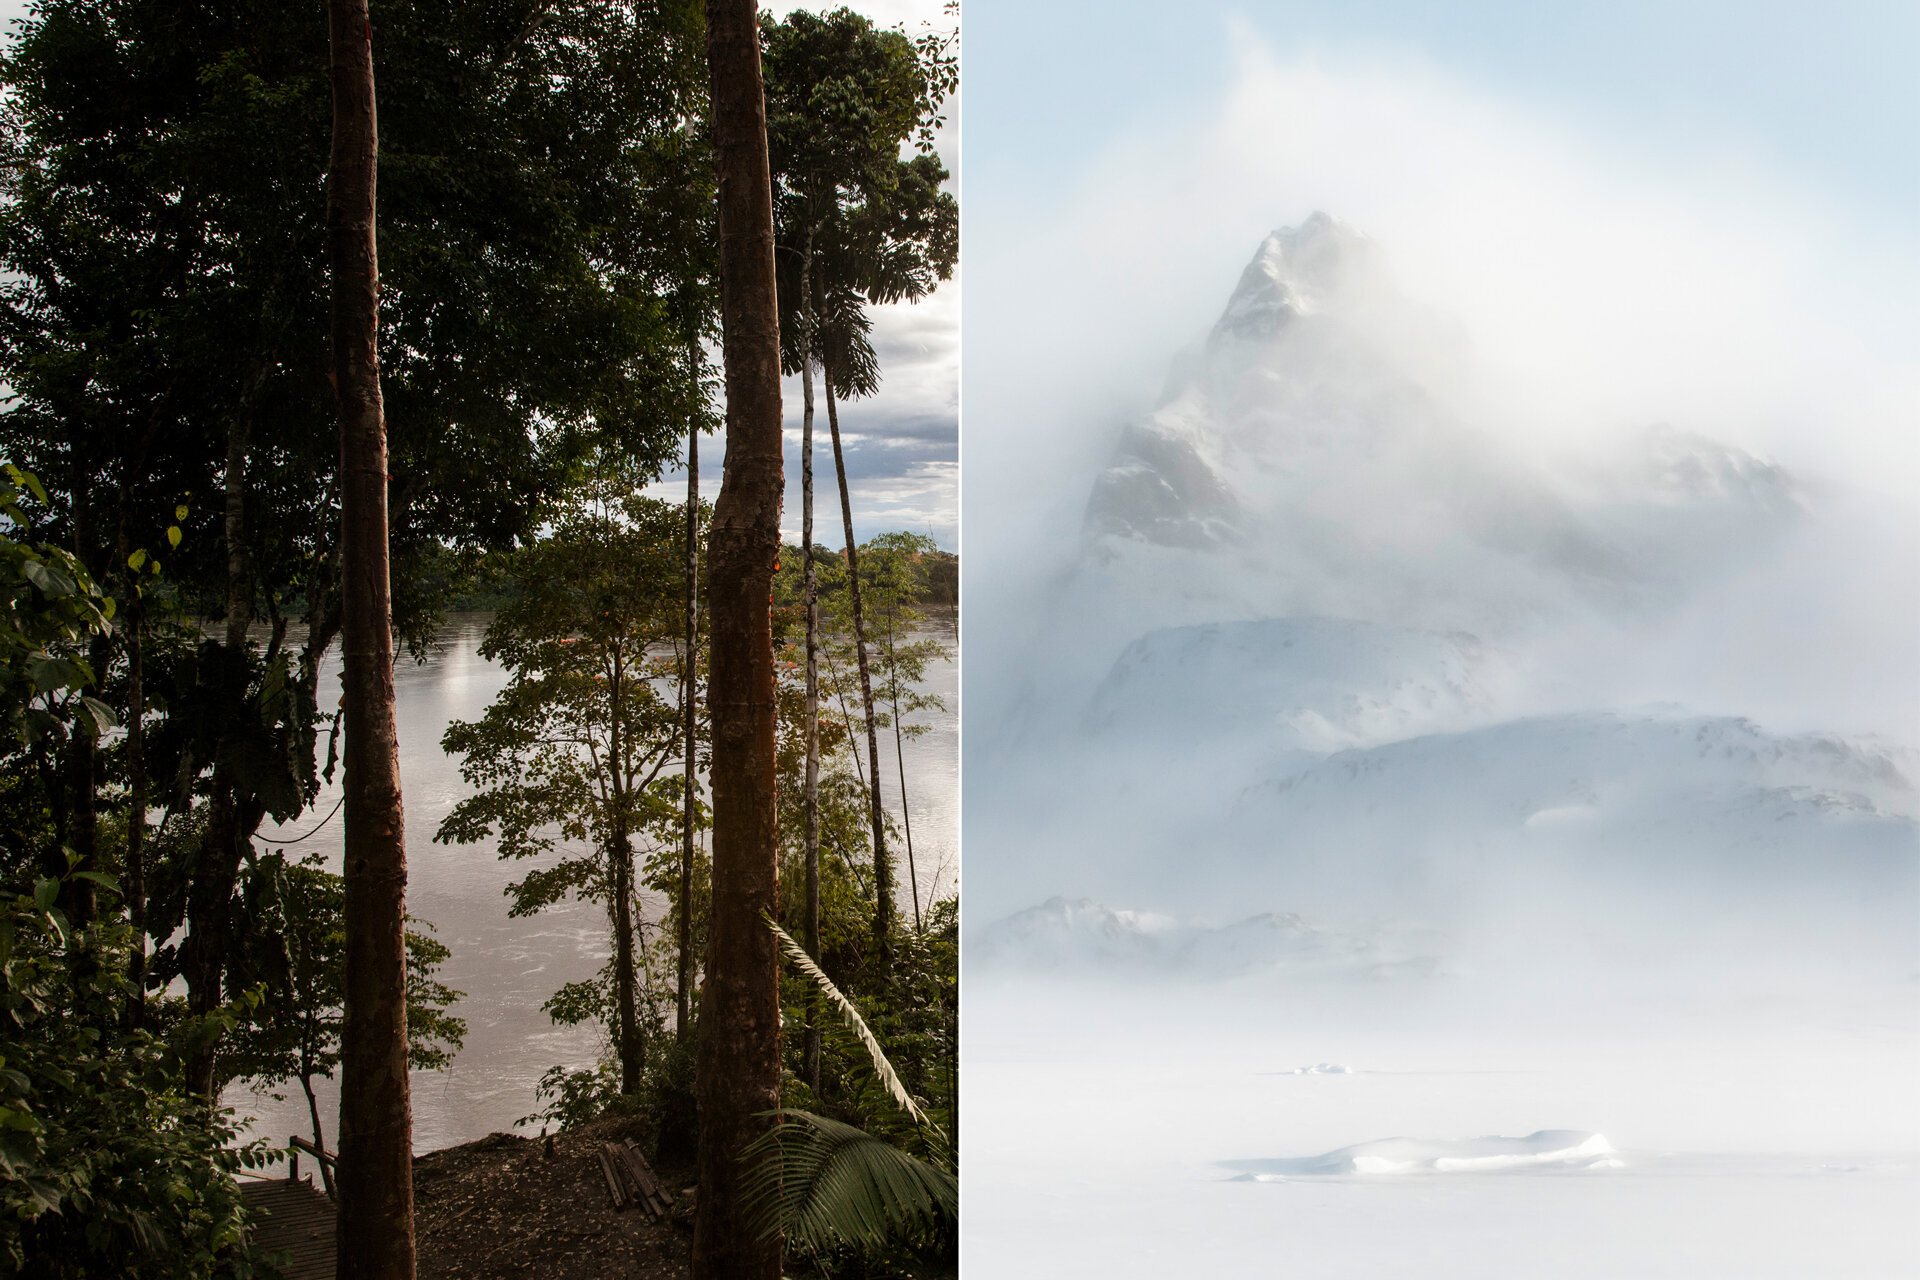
1548 1149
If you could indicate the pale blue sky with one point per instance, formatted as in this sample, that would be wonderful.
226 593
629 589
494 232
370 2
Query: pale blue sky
1825 91
1696 211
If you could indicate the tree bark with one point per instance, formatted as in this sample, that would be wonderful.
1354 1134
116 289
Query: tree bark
811 576
620 867
882 867
738 1075
690 697
900 761
239 578
77 897
624 983
375 1172
136 866
231 818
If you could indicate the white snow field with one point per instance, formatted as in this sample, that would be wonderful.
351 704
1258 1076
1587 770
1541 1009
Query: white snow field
1117 1133
1394 852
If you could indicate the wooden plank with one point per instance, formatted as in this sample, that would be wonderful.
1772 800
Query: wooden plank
655 1197
613 1180
292 1215
661 1199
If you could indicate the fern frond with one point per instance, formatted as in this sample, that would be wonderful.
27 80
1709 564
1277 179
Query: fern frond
881 1067
825 1184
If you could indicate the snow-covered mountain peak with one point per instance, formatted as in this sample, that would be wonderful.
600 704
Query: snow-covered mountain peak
1295 272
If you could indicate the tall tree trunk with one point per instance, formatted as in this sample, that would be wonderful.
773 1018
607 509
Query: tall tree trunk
136 866
77 896
319 1139
882 868
224 842
239 578
811 576
900 761
375 1173
620 868
689 699
738 1075
624 982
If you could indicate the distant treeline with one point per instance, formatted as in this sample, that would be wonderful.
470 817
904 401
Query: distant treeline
488 585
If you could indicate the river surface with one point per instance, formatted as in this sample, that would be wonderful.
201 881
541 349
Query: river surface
508 967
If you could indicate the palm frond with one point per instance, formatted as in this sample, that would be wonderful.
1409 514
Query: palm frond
825 1184
881 1067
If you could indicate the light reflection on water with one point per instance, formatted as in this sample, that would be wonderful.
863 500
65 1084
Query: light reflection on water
508 967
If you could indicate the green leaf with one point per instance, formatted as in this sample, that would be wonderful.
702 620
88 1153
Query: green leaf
45 892
99 714
53 584
48 674
180 512
825 1184
173 535
137 559
882 1068
100 878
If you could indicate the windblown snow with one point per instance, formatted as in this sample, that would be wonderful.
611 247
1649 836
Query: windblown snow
1548 1149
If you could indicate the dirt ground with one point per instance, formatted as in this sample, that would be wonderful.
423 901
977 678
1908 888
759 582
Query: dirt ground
499 1208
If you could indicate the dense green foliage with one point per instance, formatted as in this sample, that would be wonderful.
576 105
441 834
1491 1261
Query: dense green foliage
910 1006
546 238
110 1169
105 1164
545 246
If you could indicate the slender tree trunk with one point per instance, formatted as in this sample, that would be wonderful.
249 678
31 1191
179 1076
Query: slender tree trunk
239 577
77 896
738 1076
231 818
812 580
846 717
882 868
900 760
689 698
375 1176
319 1139
630 1047
620 867
136 867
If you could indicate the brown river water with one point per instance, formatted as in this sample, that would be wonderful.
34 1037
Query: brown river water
508 967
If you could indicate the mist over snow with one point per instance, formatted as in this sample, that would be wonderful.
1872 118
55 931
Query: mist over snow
1442 604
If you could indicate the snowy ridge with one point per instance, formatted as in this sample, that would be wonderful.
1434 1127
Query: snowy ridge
1063 935
1606 770
1316 684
